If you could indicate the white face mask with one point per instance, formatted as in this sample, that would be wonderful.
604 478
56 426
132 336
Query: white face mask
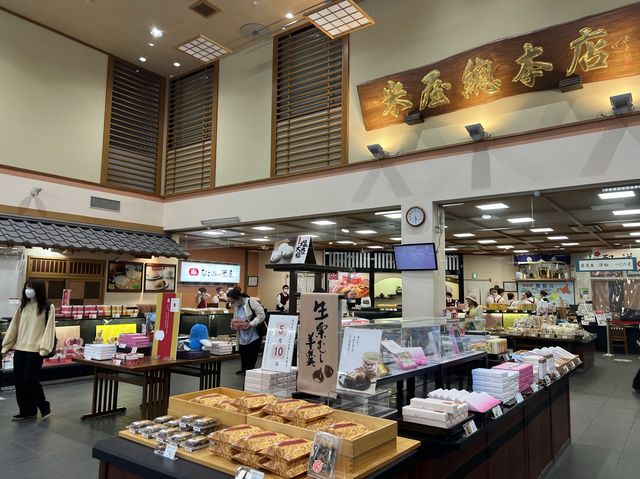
30 293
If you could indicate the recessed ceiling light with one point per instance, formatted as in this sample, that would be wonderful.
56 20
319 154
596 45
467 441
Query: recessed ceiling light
261 240
396 238
617 194
557 238
344 230
449 205
310 235
570 244
635 233
492 206
345 242
631 225
451 248
323 222
366 232
486 217
520 250
375 247
519 220
213 233
541 230
156 32
203 49
626 212
142 59
151 44
394 215
263 228
176 64
340 18
288 15
487 241
505 246
464 235
637 241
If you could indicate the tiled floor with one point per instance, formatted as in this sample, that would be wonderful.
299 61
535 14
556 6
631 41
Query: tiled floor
605 427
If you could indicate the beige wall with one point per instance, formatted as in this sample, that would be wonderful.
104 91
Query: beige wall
495 268
412 33
52 99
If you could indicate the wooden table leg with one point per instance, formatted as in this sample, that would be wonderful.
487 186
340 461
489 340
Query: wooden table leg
104 401
155 393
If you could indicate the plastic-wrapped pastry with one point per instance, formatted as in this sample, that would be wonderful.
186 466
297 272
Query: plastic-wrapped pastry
163 435
318 425
273 418
289 450
280 408
163 419
346 430
287 469
136 426
205 425
254 402
172 423
309 413
210 399
180 437
151 431
260 441
222 441
196 443
227 405
187 421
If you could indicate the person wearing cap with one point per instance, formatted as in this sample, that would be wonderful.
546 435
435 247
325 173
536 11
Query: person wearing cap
248 319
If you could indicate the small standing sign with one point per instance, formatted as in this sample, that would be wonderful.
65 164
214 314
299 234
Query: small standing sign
280 341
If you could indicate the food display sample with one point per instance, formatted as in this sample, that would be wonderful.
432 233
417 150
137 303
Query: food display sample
501 384
163 419
196 443
438 413
525 373
137 426
477 402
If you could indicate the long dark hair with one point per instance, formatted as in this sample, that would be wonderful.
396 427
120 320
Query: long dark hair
41 294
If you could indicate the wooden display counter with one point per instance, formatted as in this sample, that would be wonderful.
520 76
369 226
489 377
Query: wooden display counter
523 443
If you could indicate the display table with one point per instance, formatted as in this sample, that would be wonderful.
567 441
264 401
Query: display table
584 349
120 458
153 375
523 443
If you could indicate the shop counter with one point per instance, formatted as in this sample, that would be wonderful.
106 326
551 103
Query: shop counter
633 335
522 443
584 349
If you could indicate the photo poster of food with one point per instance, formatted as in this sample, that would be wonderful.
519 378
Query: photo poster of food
556 290
318 343
359 359
159 277
351 285
124 277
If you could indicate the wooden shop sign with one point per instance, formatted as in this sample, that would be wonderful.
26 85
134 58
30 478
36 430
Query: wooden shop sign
600 47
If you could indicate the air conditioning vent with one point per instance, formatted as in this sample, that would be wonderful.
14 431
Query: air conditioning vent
204 8
105 204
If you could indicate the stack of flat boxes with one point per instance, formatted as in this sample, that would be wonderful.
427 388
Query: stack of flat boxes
502 385
271 382
525 373
220 348
99 352
435 412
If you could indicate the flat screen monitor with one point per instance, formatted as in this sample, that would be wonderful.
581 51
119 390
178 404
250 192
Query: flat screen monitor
416 257
201 272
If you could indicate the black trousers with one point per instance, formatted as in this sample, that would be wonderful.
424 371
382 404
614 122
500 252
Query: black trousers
249 354
29 393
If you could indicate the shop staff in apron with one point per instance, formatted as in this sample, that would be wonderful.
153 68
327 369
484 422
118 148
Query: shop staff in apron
282 300
201 298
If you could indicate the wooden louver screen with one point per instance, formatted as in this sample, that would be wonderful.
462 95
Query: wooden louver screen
190 130
309 101
65 268
134 129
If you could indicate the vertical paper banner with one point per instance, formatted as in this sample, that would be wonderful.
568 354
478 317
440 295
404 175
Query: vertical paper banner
318 343
359 358
165 337
278 347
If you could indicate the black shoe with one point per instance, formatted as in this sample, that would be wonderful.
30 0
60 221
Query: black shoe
20 417
240 373
46 410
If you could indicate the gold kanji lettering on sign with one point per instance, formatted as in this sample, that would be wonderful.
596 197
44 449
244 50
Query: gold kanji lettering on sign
594 56
530 69
478 76
395 100
433 94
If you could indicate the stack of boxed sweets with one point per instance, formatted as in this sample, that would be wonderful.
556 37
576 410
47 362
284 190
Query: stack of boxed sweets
128 359
133 340
496 345
271 382
220 348
502 385
477 402
435 412
99 352
560 355
525 373
542 361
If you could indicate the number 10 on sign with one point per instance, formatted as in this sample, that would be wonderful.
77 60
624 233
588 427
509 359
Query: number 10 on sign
280 341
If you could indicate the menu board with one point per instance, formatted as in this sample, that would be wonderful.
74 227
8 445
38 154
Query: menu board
556 290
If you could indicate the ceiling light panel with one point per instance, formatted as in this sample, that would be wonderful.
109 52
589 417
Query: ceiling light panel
464 235
520 250
557 238
617 194
203 49
487 241
626 212
366 232
519 220
451 248
340 18
345 242
323 222
492 206
570 244
396 238
631 225
263 228
541 230
261 240
505 246
375 247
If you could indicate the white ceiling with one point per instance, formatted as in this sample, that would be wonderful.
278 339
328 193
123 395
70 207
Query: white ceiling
121 27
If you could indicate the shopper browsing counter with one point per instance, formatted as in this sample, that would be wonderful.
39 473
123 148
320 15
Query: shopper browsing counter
248 321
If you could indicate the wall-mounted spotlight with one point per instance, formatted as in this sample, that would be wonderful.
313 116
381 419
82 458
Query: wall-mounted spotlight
574 82
377 151
621 104
477 132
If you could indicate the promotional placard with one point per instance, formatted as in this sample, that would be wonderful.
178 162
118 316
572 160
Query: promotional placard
607 264
359 358
279 343
165 337
318 343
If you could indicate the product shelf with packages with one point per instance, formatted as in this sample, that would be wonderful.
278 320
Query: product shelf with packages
223 429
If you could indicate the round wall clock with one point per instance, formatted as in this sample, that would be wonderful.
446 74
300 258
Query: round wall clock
415 216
